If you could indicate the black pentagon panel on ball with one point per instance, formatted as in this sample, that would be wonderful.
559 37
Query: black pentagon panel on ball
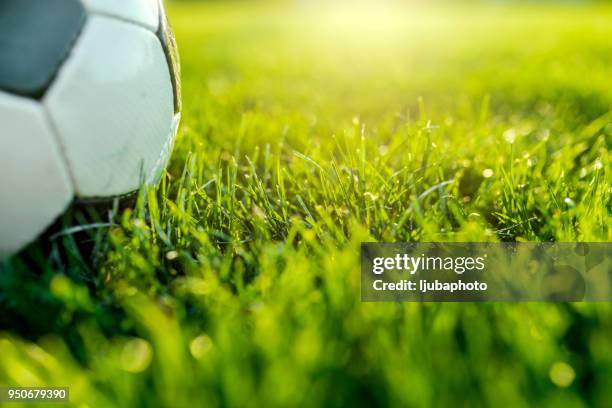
36 36
166 36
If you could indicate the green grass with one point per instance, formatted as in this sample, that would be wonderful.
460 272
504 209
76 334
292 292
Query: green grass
307 130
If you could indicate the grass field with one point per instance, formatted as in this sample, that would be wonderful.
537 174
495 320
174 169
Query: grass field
307 130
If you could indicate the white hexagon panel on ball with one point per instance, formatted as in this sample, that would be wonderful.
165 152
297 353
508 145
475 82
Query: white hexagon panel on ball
35 186
119 72
144 12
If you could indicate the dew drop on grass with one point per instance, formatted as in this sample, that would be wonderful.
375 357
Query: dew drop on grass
562 374
598 165
136 355
510 135
570 203
200 345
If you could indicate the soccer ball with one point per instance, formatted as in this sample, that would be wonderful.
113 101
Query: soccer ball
89 106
